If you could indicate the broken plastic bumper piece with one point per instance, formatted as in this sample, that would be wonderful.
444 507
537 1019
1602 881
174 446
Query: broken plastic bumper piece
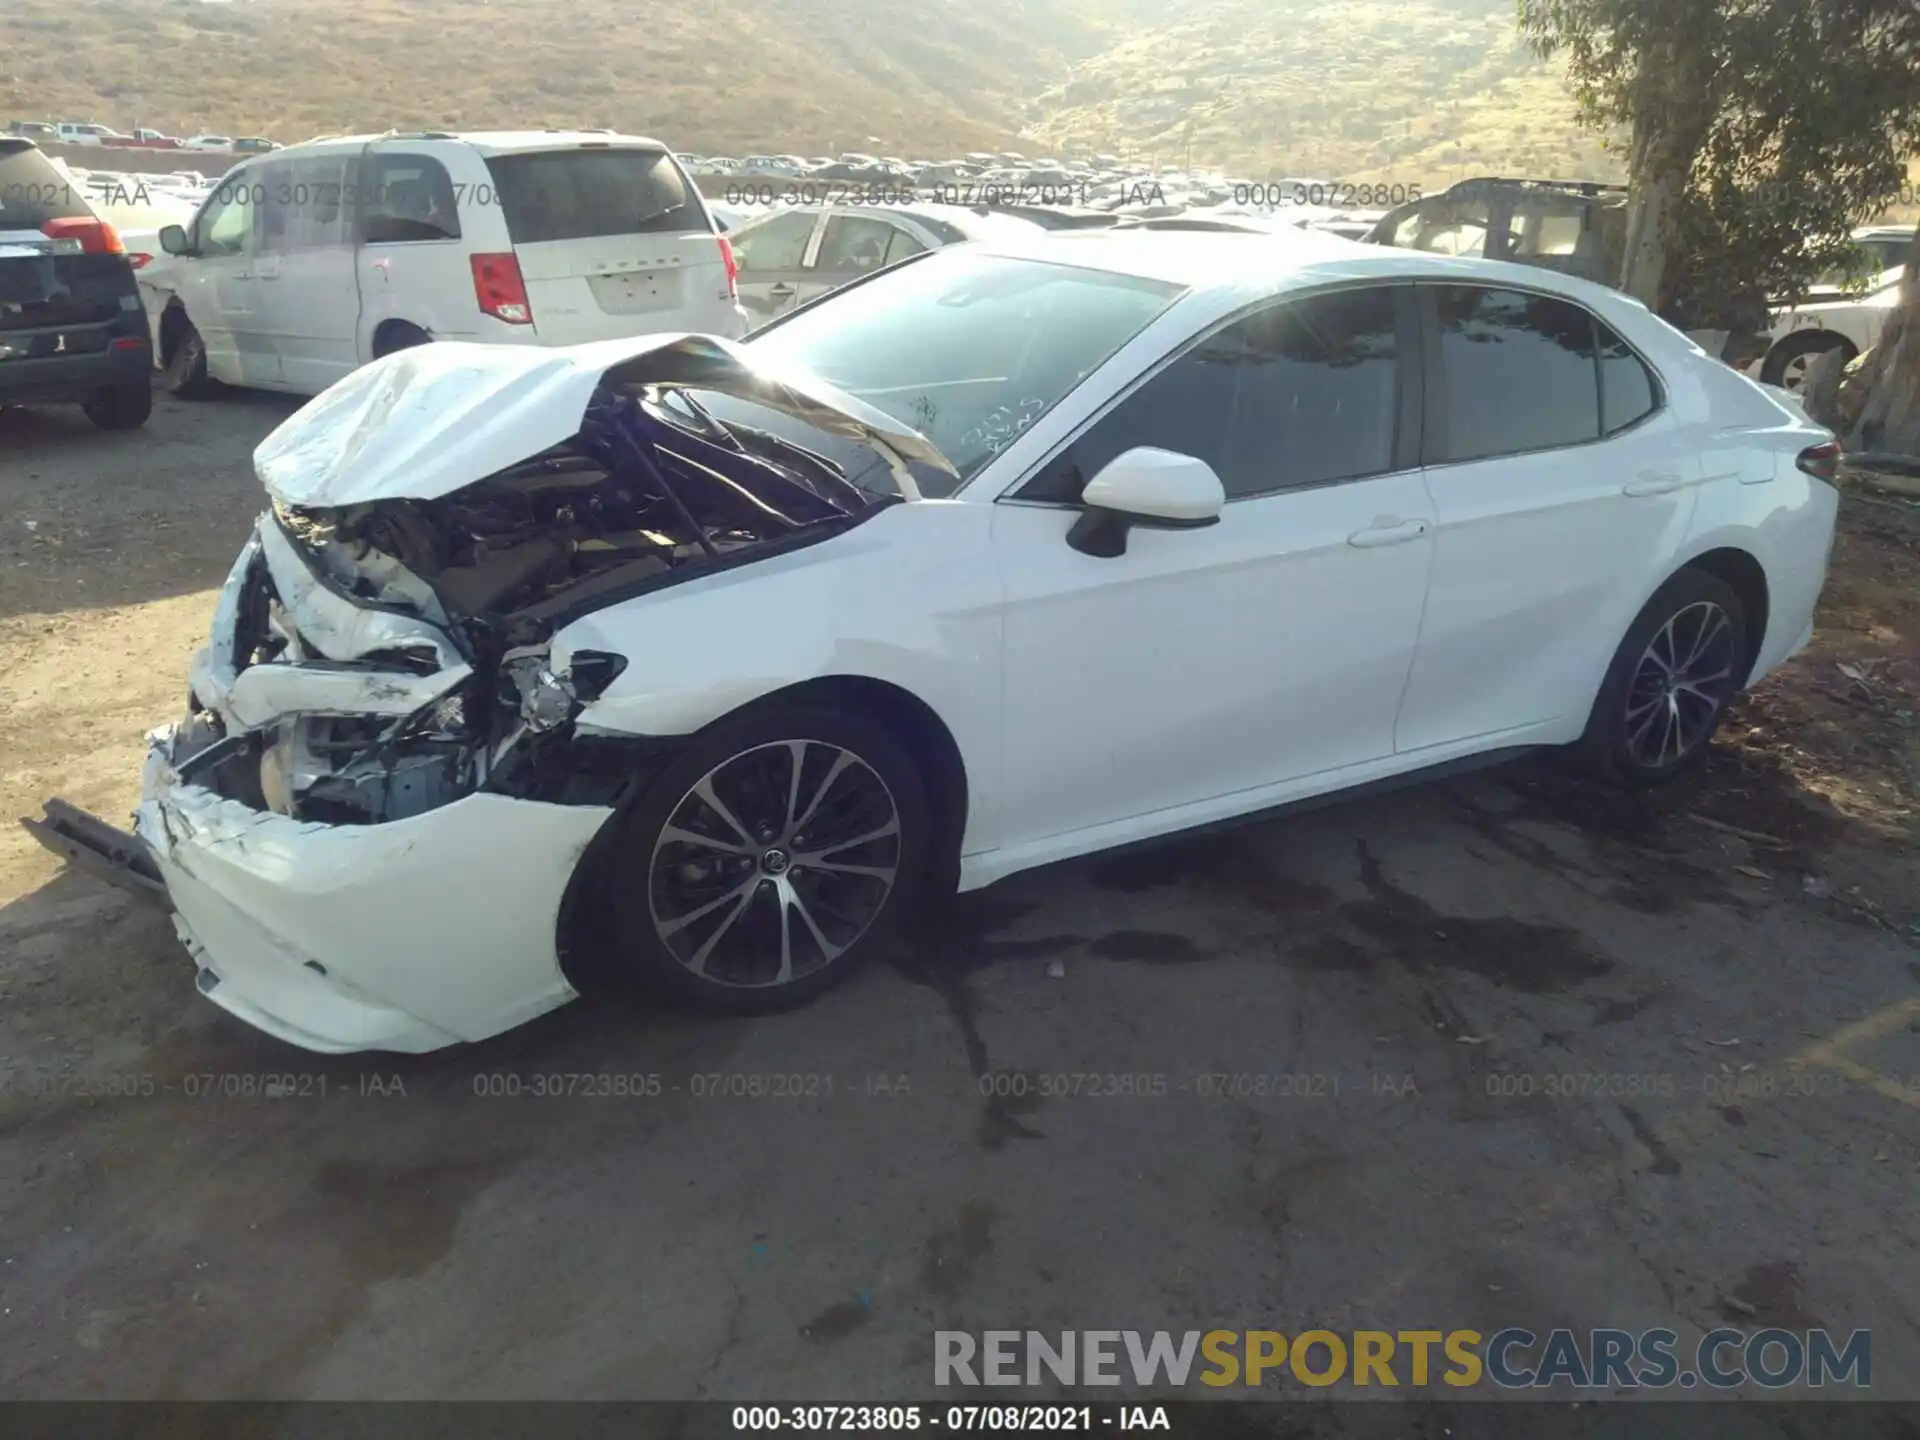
406 936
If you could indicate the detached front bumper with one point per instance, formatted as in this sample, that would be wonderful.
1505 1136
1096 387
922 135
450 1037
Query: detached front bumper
406 936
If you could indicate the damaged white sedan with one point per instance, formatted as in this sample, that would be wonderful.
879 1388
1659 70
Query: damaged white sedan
701 658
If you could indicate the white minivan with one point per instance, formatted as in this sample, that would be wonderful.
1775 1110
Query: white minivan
308 262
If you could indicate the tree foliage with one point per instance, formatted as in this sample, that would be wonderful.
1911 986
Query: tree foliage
1763 131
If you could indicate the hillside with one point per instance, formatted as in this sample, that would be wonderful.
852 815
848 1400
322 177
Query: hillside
1403 90
812 75
1407 90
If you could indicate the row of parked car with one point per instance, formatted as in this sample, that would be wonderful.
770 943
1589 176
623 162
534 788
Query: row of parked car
301 265
86 132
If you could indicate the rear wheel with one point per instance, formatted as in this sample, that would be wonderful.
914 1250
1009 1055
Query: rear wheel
1670 682
768 859
185 371
125 406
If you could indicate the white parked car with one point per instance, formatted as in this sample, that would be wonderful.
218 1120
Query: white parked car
705 658
789 255
70 132
216 143
1837 315
305 264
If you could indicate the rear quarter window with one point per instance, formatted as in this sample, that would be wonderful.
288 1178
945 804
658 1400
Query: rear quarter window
586 194
407 198
32 191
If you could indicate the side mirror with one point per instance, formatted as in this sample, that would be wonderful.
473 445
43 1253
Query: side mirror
173 239
1158 489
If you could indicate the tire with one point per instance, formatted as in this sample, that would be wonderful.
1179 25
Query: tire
1644 730
121 407
699 914
399 336
185 373
1786 364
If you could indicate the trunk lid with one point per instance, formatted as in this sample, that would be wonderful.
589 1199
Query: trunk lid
612 240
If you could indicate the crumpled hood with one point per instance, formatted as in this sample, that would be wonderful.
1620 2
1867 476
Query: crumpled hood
430 420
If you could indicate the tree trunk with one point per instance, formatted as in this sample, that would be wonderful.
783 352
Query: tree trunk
1651 190
1890 414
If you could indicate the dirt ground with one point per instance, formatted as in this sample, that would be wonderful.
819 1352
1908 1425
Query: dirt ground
1727 971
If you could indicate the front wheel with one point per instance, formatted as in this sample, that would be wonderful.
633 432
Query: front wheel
769 858
185 372
1671 680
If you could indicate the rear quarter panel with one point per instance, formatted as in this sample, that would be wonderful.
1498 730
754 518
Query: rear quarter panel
429 283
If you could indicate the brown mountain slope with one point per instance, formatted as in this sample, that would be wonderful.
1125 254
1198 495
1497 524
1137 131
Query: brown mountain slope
1405 90
809 75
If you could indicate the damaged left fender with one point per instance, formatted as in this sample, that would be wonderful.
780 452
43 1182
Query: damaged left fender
849 608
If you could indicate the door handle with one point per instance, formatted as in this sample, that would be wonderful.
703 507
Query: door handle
1388 531
782 292
1653 482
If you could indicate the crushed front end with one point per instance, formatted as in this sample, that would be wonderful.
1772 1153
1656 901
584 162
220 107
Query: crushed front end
369 820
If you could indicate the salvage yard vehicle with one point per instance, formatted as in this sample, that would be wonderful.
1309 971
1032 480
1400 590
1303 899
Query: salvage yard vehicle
792 255
1568 226
304 264
705 659
71 326
1846 312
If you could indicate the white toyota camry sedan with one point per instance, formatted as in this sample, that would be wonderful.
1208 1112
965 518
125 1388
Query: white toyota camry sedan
709 657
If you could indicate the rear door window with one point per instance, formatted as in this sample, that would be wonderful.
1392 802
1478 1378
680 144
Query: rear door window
33 191
406 198
854 245
586 194
1519 373
301 208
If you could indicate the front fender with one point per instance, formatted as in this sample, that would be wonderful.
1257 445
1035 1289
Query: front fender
910 597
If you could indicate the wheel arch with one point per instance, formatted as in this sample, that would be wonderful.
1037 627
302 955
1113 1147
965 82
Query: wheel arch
908 718
1748 579
385 332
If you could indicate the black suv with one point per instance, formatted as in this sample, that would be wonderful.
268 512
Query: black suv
1572 226
71 324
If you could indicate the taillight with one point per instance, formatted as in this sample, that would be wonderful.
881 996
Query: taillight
139 259
1821 461
500 291
95 237
733 266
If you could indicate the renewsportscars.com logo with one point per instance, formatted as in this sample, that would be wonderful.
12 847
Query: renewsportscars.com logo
1512 1359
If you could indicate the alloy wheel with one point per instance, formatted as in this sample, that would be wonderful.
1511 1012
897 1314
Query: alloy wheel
774 864
1684 678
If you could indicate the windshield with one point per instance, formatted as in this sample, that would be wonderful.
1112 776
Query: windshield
969 349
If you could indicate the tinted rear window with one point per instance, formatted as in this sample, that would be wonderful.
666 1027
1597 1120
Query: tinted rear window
32 192
584 194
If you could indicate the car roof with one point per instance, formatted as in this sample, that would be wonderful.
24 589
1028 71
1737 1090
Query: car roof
491 142
1227 262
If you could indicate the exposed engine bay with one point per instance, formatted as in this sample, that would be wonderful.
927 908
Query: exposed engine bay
381 658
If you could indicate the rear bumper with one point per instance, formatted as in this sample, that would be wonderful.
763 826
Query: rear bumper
406 936
47 379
